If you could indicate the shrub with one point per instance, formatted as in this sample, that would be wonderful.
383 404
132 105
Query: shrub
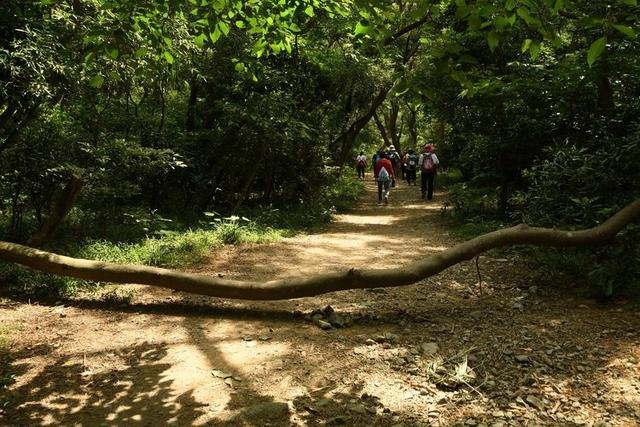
343 189
467 203
580 187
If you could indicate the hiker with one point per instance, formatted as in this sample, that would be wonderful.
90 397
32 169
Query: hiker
428 162
361 164
383 172
411 165
394 157
374 159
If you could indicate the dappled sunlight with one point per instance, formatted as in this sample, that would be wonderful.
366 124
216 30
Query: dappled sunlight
167 357
422 206
366 219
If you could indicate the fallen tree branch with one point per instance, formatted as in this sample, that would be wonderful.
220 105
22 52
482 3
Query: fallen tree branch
297 287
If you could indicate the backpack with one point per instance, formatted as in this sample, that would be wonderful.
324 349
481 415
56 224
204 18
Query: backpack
394 157
361 163
383 175
412 161
428 165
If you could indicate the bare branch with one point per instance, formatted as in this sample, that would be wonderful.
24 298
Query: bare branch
401 32
306 286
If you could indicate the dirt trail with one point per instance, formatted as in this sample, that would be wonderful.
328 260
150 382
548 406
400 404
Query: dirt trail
539 357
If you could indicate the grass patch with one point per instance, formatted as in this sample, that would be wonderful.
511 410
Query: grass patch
469 230
171 243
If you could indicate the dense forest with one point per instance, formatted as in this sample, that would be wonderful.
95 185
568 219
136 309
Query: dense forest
181 115
210 147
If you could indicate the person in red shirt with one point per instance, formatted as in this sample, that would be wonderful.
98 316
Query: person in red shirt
383 172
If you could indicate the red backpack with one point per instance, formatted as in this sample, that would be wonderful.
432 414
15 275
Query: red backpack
428 165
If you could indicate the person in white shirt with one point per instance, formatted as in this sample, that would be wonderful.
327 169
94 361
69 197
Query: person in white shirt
428 162
361 165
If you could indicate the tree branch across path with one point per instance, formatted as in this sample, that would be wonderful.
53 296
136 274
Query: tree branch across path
303 286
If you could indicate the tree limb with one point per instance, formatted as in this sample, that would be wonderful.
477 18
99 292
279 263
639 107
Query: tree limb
306 286
401 32
347 138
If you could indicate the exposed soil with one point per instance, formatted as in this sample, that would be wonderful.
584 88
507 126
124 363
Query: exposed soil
534 355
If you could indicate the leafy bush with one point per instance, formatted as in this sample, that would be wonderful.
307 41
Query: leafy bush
32 284
148 238
474 228
448 178
466 203
343 189
580 187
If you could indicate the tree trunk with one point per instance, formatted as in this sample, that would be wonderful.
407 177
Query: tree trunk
413 128
605 94
347 138
190 122
391 120
306 286
253 171
383 131
59 212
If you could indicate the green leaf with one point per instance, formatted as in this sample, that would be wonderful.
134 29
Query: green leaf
534 50
168 56
596 49
630 2
523 13
240 24
294 27
199 40
525 45
97 81
362 28
224 27
559 4
493 40
215 35
240 67
501 22
113 53
309 10
140 52
627 31
511 4
474 22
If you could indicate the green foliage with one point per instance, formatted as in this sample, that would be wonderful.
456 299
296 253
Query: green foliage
602 273
580 187
172 250
469 203
180 108
25 283
448 178
343 189
474 228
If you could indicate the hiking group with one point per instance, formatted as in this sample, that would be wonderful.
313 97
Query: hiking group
388 164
